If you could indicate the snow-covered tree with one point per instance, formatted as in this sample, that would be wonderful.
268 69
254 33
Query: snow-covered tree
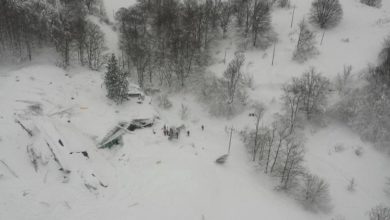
315 89
282 134
163 101
314 193
291 162
261 20
115 81
233 76
344 80
214 92
366 109
326 13
269 140
305 48
283 3
226 13
24 25
94 46
292 98
135 40
372 3
258 135
184 112
380 212
27 25
307 94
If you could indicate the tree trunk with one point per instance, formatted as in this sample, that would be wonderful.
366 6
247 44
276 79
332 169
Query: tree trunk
277 154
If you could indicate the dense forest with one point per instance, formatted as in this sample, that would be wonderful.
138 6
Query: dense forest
26 26
172 38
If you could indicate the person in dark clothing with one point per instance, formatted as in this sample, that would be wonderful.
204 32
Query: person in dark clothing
170 134
188 133
202 127
165 130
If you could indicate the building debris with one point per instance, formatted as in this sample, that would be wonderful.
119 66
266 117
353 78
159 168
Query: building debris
9 168
114 136
29 132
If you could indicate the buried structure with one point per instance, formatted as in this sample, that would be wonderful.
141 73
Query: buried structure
114 136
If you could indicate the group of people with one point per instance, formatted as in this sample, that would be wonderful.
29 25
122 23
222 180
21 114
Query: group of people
171 132
174 132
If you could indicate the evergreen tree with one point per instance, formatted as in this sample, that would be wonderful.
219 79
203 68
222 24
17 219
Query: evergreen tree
115 82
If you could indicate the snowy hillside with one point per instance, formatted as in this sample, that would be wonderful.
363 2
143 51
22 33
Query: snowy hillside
52 122
174 179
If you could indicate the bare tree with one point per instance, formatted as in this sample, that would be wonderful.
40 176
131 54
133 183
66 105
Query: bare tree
248 11
343 80
62 39
284 3
292 165
306 43
261 19
163 101
184 112
233 76
315 89
240 8
258 144
366 108
269 143
226 13
135 38
94 45
292 97
306 94
379 212
282 133
26 25
326 13
315 193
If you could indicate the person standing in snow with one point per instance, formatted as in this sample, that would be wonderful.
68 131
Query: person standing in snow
170 134
188 133
202 127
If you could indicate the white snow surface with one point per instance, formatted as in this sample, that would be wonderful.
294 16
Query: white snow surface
112 6
150 177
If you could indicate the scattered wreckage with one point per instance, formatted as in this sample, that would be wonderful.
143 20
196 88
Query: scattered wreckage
52 145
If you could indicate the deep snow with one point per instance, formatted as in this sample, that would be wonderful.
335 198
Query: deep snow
153 178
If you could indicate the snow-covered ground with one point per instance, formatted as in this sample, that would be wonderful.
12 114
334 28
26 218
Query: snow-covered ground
149 177
113 5
153 178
